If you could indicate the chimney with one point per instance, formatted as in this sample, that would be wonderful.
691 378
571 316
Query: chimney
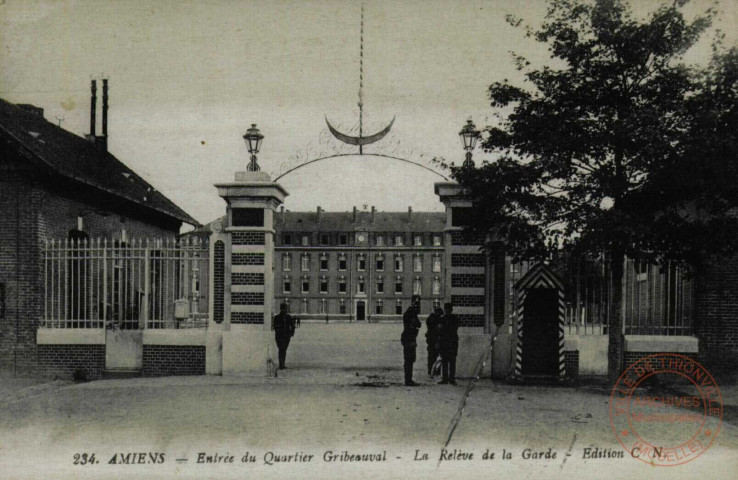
93 108
409 214
105 108
355 214
374 209
318 214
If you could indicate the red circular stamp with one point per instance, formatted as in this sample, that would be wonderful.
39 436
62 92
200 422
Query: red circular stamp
676 424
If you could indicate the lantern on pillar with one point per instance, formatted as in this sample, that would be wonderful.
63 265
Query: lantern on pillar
253 138
469 136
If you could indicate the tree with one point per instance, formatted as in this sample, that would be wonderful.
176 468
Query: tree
592 153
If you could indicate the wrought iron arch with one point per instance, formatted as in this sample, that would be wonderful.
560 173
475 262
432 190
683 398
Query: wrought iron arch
338 155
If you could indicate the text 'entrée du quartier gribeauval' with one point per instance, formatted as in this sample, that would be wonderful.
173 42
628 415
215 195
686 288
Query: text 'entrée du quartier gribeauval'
445 455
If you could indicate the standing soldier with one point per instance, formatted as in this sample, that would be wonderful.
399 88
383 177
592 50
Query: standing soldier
448 345
431 337
284 328
409 338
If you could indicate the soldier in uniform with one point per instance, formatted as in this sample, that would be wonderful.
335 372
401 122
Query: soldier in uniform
431 337
284 328
409 338
448 345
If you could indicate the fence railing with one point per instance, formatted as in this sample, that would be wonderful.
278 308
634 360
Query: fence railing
136 285
657 299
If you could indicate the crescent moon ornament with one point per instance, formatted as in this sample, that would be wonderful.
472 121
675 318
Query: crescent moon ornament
360 140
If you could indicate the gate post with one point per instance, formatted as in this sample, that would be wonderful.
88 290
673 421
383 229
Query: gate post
242 280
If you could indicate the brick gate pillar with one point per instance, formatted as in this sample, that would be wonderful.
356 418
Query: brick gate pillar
242 285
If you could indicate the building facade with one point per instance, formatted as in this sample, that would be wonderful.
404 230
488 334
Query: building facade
359 265
57 185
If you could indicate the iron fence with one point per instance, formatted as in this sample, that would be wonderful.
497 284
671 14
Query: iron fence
141 284
657 299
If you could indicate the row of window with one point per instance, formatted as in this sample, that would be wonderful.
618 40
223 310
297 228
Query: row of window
361 260
361 285
343 308
397 240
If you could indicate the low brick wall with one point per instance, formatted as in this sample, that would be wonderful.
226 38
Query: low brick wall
166 360
633 357
62 361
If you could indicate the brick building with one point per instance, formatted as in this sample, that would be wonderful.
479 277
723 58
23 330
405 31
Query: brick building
57 185
361 265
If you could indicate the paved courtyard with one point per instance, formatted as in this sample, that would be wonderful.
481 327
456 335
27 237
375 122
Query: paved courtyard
321 410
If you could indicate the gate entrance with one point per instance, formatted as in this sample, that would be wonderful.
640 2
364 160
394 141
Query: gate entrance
360 310
539 298
540 336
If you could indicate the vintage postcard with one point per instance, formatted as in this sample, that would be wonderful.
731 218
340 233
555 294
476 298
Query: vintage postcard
368 239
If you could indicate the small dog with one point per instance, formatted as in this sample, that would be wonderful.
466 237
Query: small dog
271 370
436 368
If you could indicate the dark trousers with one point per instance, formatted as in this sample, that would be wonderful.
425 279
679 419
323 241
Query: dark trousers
432 357
282 344
409 355
448 367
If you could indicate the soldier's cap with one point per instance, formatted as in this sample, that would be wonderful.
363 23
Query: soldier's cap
282 305
415 298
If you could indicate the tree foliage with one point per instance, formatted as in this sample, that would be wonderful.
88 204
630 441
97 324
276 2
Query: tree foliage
617 148
620 146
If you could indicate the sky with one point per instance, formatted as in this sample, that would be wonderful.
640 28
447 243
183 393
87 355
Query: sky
188 78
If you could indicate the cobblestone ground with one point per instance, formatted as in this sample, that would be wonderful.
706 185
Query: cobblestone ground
313 410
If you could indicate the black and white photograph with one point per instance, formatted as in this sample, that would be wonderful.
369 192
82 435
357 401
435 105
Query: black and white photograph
368 239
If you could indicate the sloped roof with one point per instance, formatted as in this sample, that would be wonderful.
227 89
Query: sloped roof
77 158
343 222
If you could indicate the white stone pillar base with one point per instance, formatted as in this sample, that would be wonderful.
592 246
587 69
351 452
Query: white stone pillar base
214 352
248 352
